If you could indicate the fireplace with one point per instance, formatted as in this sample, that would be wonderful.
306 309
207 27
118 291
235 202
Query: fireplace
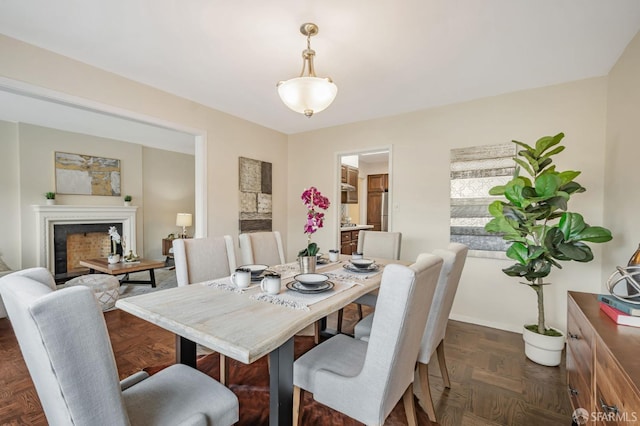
74 242
75 222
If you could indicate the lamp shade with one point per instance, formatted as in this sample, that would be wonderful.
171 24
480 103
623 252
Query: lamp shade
183 219
307 95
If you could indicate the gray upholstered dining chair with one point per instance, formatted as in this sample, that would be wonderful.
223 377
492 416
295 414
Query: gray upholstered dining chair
203 259
64 341
365 380
454 258
385 245
263 248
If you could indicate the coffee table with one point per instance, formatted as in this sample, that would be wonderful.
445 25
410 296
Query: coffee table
126 268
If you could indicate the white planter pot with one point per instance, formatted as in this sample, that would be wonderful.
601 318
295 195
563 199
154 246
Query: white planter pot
127 203
541 349
51 202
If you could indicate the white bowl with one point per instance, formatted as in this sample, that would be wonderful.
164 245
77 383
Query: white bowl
311 280
362 263
255 269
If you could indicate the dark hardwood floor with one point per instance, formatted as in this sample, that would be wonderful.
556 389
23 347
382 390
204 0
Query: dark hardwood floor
492 381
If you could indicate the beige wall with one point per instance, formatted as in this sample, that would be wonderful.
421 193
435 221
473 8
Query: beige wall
622 201
169 183
227 137
160 182
10 218
37 146
421 142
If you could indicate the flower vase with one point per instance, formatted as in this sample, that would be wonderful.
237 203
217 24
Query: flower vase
113 258
307 264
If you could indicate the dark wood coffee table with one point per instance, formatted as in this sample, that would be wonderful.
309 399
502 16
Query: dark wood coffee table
126 268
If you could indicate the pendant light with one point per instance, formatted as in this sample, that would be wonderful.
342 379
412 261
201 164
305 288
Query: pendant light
308 94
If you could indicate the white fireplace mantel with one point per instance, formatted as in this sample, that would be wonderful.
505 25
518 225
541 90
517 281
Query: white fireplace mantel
48 216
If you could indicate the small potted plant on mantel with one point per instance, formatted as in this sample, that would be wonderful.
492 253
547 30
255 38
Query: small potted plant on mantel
535 220
127 200
50 197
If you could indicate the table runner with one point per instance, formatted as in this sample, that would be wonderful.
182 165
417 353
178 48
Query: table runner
341 278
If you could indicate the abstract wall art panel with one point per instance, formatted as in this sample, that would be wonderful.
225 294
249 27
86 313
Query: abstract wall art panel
474 171
255 195
87 175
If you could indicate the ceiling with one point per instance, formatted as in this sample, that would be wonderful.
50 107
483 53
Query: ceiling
386 57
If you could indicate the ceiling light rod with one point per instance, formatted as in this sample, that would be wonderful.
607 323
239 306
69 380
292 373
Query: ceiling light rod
309 30
308 94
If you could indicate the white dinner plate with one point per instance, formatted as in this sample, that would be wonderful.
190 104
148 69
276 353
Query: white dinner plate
301 288
353 268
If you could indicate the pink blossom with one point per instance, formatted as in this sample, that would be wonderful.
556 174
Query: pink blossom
313 199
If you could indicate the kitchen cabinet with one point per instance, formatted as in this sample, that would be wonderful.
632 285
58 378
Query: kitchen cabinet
603 373
348 241
351 173
377 185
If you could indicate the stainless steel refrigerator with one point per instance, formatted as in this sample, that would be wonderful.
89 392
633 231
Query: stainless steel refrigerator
385 212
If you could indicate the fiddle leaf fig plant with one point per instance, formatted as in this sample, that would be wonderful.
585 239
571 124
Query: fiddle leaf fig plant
536 221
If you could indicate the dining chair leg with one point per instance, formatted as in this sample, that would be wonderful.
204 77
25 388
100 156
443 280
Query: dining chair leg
340 315
297 406
359 310
425 390
409 406
223 369
443 365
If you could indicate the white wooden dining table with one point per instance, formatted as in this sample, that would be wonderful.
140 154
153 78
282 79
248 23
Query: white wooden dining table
237 324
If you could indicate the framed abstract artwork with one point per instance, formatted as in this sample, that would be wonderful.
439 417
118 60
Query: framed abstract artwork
255 195
474 171
86 174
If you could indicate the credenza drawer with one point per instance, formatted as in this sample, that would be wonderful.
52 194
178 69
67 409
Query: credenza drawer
616 396
580 341
578 386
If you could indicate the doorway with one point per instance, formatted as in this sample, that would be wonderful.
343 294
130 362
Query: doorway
365 188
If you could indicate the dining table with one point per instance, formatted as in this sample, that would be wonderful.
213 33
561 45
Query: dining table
247 324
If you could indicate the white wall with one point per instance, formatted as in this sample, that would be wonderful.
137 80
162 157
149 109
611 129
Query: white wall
421 143
168 188
10 217
622 201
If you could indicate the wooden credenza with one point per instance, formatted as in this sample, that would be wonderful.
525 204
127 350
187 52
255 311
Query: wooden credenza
603 363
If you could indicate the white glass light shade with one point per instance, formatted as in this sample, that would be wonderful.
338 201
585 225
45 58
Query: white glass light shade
307 95
183 219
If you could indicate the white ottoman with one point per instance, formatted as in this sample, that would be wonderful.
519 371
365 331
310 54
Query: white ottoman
105 287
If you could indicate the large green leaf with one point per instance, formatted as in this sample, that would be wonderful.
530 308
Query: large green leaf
572 188
518 252
513 191
576 251
524 165
571 224
594 234
495 208
547 142
497 190
568 176
547 184
524 145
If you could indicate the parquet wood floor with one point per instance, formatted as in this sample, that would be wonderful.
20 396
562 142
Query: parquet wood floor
492 381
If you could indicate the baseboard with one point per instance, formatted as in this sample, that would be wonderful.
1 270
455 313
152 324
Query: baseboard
490 324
